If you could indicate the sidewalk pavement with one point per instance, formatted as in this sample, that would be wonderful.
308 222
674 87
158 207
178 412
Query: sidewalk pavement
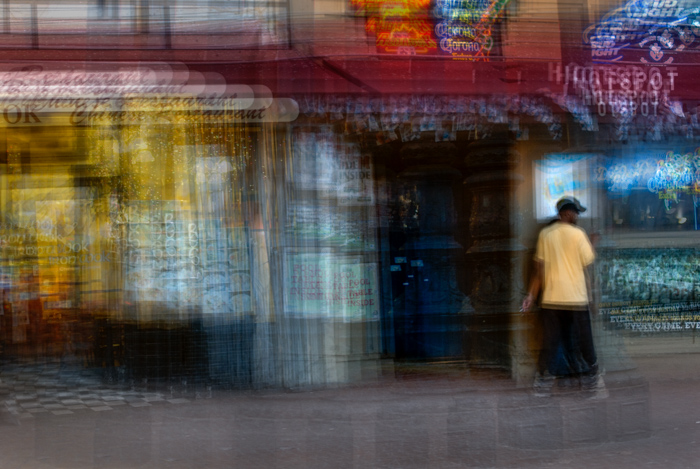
411 420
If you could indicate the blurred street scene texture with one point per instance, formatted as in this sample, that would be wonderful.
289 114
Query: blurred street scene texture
299 232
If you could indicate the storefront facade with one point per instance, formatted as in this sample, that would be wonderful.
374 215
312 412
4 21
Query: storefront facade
267 218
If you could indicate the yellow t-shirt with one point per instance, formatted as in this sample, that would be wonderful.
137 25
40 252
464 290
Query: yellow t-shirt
565 252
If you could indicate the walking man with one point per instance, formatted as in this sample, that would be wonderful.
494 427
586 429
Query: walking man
562 256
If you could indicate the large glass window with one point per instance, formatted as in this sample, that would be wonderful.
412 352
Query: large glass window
170 23
652 188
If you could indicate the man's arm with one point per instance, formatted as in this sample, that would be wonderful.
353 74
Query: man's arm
588 257
535 285
592 304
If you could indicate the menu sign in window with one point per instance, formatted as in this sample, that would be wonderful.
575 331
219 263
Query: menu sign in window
326 285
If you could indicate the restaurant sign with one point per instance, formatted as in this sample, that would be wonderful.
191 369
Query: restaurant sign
32 95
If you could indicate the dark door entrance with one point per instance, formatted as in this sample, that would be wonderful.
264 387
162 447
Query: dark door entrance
427 307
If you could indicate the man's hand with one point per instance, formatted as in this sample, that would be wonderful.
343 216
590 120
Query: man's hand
535 284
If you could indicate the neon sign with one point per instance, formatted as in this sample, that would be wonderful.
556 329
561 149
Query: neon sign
622 177
400 26
460 28
669 176
645 31
465 27
405 38
677 173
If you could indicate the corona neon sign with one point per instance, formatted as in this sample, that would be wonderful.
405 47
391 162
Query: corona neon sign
676 173
673 174
465 27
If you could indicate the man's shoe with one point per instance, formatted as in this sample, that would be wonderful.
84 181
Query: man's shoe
569 383
542 387
594 387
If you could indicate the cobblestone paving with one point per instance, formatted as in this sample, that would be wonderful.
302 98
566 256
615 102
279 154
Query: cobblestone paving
27 390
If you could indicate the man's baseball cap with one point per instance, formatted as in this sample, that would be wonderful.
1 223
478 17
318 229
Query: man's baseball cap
568 200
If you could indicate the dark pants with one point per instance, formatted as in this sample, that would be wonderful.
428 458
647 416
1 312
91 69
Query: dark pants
569 333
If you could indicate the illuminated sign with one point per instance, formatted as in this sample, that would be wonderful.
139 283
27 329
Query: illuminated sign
622 177
646 31
401 27
462 29
465 27
676 173
405 38
668 176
